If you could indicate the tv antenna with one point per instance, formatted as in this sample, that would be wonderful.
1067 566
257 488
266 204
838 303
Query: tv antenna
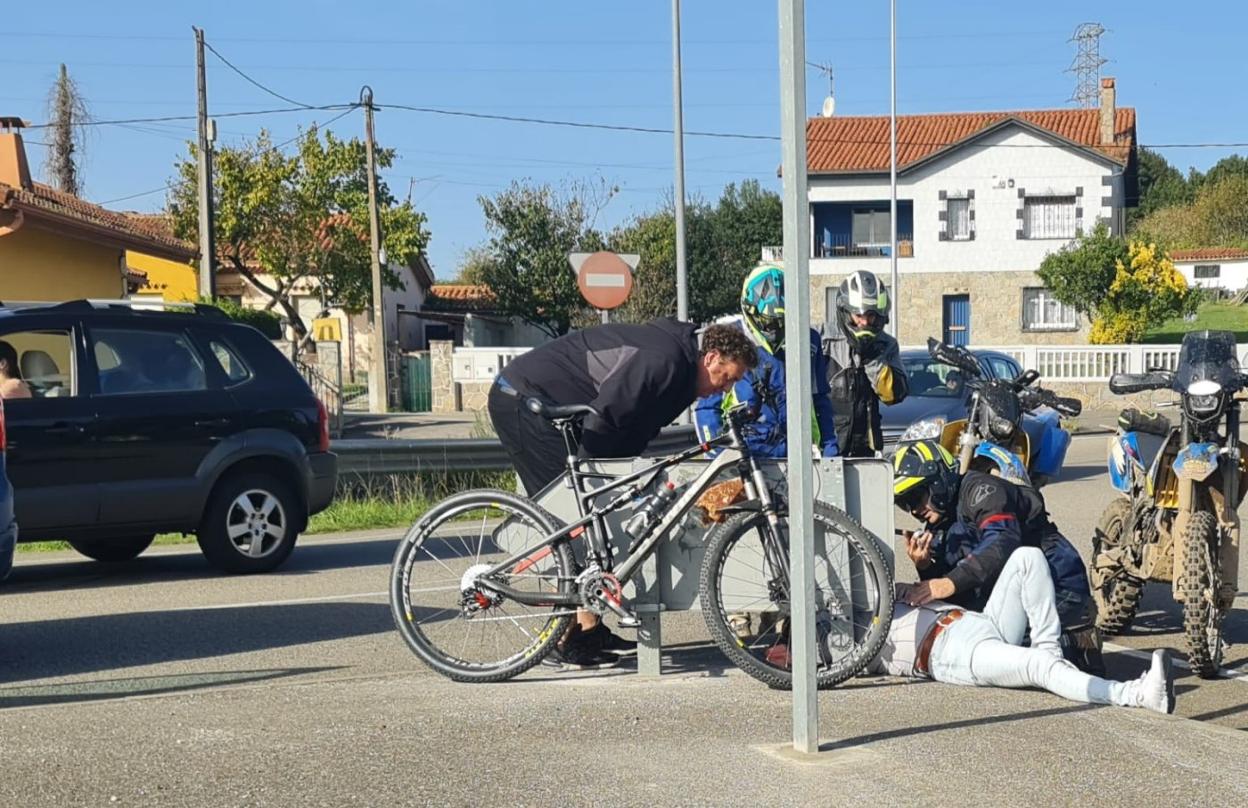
829 103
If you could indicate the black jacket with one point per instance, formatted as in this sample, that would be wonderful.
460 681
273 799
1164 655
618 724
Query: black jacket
640 377
858 381
994 518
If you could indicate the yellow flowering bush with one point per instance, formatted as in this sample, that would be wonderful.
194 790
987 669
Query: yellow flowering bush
1146 292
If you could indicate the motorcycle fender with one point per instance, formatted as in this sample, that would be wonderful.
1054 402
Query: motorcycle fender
950 434
1196 461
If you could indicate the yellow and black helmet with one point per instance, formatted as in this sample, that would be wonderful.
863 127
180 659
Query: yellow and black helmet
925 468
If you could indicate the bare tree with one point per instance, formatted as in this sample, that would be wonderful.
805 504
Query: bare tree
68 112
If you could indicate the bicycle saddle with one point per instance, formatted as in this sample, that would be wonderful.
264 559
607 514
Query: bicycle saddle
559 412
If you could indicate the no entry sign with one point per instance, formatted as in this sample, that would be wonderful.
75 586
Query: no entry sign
604 278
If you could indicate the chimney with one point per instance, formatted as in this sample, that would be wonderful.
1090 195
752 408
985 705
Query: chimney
13 168
1108 112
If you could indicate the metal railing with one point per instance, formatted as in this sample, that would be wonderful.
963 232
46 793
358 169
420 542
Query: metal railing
374 456
1092 363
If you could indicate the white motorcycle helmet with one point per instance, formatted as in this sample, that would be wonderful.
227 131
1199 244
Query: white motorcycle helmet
862 293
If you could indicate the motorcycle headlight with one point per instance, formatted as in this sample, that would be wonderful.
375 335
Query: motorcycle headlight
1205 388
1203 404
923 429
1001 428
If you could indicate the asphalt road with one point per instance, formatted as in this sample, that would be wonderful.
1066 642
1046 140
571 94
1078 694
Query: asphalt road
159 682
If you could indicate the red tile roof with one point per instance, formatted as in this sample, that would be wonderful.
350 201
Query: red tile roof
459 297
134 231
1209 254
860 143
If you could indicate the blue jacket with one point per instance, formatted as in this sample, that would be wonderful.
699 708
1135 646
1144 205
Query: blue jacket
767 437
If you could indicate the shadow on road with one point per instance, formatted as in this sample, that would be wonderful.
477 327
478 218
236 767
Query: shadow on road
103 689
78 645
190 566
863 740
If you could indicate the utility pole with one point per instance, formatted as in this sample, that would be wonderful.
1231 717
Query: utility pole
894 298
682 270
378 394
207 242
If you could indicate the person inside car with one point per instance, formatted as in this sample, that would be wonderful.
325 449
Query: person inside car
11 383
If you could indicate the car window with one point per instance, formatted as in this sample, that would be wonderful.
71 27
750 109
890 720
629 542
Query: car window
133 361
1003 368
927 377
37 364
235 371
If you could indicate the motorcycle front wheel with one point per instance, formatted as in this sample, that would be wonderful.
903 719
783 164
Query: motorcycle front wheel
1117 594
1199 581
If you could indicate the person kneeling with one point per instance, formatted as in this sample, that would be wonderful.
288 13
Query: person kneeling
938 640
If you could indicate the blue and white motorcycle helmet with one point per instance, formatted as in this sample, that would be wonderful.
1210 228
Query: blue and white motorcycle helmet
1007 464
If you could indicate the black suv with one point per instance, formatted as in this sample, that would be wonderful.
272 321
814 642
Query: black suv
143 420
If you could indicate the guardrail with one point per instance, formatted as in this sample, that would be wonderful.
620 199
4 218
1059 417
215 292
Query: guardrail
377 456
1090 363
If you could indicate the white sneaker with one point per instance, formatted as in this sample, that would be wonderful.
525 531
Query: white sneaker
1155 689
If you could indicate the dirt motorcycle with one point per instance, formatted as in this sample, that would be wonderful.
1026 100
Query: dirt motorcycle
1013 427
1181 484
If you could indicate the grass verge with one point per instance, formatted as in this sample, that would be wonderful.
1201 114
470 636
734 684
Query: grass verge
361 504
1210 316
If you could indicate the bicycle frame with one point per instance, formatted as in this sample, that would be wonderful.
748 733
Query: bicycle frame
593 518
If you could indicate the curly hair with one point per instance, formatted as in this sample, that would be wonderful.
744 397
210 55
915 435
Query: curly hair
731 343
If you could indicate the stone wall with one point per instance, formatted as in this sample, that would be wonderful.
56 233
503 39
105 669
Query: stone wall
996 306
448 394
445 394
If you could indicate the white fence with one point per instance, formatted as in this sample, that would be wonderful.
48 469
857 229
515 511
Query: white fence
1068 363
481 364
1093 363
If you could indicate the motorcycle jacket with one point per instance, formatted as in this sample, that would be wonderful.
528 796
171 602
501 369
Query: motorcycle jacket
860 376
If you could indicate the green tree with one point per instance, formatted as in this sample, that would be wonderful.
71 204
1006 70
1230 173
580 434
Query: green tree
533 229
1217 217
1081 274
473 266
301 216
1161 186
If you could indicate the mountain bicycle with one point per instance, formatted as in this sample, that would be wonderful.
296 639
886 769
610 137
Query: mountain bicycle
487 582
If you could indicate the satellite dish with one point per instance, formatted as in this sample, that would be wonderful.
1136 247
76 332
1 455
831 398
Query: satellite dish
829 106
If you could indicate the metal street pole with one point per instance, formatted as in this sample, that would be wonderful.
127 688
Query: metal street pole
207 241
894 324
797 370
682 273
378 395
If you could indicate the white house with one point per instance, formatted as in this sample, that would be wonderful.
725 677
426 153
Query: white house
982 198
1213 267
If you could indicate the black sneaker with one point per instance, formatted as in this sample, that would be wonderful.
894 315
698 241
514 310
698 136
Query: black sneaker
602 638
579 657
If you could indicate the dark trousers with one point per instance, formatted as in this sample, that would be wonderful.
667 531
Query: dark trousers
536 448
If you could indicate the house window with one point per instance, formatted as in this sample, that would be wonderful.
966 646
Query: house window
1043 312
959 212
1049 217
1208 271
871 228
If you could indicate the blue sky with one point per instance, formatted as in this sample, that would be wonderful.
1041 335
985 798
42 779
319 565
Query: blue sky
598 62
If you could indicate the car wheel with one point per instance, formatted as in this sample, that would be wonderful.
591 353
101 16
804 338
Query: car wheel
249 525
115 550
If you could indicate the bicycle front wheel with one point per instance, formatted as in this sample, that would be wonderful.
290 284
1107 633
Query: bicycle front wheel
453 621
745 599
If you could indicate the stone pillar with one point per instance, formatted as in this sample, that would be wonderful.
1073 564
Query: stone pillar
441 356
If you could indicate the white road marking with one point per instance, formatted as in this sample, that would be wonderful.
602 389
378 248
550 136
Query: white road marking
253 604
1238 674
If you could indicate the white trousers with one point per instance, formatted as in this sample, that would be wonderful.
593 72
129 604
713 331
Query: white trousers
984 649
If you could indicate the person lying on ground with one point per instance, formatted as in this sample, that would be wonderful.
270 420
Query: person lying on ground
933 639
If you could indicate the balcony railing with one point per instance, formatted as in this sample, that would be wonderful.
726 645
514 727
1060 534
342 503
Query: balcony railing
842 247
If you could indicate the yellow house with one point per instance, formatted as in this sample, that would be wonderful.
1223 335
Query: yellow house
174 281
55 246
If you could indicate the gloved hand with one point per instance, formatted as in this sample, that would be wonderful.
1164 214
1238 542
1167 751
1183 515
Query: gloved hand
869 349
829 449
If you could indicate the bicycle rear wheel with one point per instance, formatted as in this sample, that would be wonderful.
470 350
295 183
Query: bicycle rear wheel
745 601
460 628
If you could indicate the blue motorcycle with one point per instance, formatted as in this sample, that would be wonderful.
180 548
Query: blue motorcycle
1013 428
1181 486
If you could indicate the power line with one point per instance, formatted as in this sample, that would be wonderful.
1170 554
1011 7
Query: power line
276 147
167 118
248 78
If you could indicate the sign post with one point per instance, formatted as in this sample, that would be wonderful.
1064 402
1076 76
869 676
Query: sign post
605 279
